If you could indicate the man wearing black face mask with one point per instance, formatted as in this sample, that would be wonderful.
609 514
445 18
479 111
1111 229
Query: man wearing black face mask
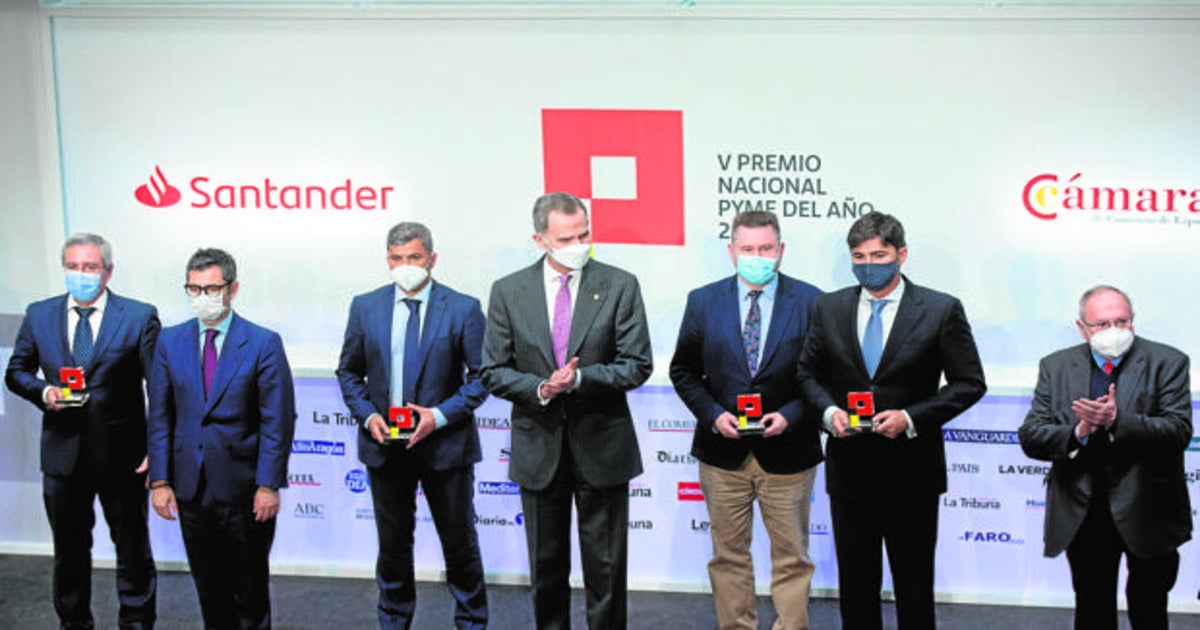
889 341
1114 416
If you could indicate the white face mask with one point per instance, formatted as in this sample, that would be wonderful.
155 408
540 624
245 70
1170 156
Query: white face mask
1112 342
409 277
572 256
209 308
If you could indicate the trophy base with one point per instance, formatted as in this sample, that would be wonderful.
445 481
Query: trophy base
865 427
74 400
396 435
751 430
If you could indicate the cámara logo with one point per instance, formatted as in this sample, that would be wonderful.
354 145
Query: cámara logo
158 192
1045 195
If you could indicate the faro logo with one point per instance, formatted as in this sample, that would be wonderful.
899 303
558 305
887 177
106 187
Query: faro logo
356 481
1045 195
1003 538
270 194
627 163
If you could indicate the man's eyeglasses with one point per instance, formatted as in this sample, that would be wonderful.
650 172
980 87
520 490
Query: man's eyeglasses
1122 322
196 290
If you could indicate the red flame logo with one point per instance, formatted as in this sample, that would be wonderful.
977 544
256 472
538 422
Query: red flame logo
158 192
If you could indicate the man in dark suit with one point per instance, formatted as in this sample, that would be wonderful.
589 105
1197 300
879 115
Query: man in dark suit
98 448
222 415
743 335
566 338
397 354
1114 416
895 340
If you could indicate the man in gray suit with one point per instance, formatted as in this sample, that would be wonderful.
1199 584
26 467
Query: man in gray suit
1114 415
566 338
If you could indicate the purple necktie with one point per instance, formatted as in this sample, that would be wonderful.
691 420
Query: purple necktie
560 331
210 358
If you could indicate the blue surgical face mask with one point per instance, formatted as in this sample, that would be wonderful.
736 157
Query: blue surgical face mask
875 276
756 269
84 287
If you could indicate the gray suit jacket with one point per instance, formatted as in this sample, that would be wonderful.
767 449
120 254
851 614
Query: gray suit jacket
1147 484
609 335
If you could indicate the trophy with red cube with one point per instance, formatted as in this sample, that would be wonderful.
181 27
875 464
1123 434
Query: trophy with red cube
74 392
862 407
750 413
400 423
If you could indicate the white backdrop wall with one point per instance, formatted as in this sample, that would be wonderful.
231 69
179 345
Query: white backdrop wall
974 131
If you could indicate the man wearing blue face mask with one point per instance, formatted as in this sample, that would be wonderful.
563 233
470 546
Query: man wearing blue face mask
890 341
1114 417
741 336
97 448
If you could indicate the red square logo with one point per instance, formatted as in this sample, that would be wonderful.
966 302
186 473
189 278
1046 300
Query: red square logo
650 141
690 491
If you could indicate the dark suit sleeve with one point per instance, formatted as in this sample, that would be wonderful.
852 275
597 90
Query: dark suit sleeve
1168 428
814 359
458 407
21 376
352 366
687 368
962 369
1046 433
277 410
160 418
498 371
633 362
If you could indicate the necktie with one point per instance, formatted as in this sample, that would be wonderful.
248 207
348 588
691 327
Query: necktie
560 331
84 344
1108 367
412 353
872 344
752 333
210 357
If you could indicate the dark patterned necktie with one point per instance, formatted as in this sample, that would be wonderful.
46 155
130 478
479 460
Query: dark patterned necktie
752 333
84 342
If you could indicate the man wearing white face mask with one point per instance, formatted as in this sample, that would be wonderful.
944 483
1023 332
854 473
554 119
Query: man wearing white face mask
220 425
99 448
416 343
1114 416
566 339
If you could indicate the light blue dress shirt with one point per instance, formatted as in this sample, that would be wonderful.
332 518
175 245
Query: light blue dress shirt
400 315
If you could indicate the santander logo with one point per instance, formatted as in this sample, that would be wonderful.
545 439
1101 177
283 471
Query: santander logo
206 192
158 193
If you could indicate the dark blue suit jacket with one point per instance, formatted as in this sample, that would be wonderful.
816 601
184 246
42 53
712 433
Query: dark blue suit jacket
241 435
709 371
114 419
451 343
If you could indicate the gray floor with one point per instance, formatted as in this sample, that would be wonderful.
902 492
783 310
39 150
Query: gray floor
320 603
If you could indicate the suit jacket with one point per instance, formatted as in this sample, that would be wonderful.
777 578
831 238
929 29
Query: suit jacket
113 422
1147 486
451 343
709 371
930 337
240 435
609 335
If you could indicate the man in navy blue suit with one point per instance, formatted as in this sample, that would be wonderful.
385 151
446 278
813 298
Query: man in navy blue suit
416 343
742 336
222 415
98 448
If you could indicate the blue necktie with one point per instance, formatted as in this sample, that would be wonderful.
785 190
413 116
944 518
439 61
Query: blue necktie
752 333
872 344
84 344
412 338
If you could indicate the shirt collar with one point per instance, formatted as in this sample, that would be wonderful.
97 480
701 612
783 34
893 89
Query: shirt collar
551 276
422 296
768 290
1100 360
97 306
865 297
222 328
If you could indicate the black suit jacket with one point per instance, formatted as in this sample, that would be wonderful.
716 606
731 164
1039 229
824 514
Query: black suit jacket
709 371
113 422
610 336
1147 485
930 337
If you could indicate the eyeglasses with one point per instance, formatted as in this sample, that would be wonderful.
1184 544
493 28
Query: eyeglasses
1122 322
195 290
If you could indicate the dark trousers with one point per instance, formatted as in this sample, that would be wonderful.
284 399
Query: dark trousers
1095 558
603 549
69 503
450 495
909 531
228 553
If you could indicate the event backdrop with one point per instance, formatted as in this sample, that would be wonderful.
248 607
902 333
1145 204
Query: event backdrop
1028 159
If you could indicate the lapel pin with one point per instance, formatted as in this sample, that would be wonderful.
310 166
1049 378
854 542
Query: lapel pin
595 296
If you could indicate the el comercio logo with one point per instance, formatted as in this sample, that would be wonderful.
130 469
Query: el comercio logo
627 163
271 194
1047 194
